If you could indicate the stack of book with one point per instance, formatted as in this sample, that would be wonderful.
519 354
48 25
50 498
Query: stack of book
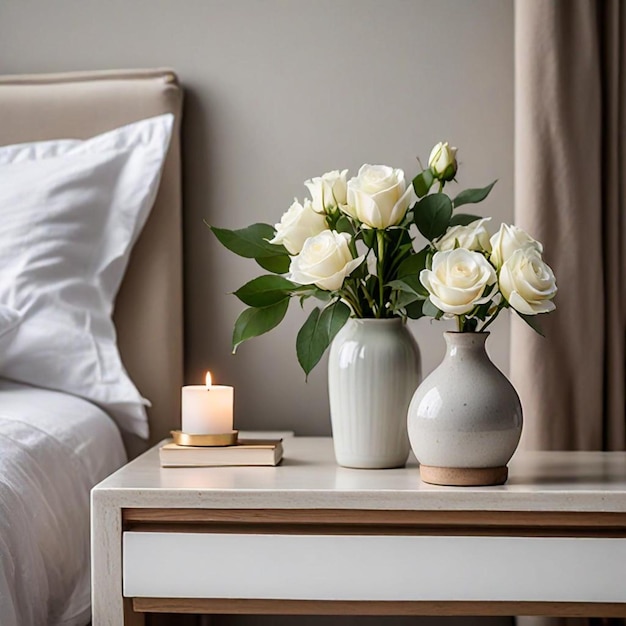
244 452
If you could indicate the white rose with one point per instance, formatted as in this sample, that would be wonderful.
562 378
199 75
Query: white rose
509 239
328 191
458 280
527 283
442 161
474 236
325 261
297 224
378 196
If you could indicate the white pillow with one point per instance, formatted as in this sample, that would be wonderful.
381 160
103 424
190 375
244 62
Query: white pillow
71 212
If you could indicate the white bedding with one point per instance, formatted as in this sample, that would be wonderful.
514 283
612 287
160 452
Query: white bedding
53 448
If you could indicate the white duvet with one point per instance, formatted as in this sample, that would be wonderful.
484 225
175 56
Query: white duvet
53 448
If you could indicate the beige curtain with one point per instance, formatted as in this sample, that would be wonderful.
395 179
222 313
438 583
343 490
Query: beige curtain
570 193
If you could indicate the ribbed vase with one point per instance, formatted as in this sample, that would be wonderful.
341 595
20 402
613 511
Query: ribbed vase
374 367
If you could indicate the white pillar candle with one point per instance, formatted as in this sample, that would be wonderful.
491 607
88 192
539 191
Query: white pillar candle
207 409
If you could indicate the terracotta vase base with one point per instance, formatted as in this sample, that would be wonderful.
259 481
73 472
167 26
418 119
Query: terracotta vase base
464 476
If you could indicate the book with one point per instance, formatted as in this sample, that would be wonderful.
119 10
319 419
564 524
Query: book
244 452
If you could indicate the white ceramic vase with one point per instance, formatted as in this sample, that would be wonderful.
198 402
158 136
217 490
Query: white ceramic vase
465 419
374 367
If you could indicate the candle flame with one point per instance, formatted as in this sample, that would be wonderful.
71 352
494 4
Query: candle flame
208 381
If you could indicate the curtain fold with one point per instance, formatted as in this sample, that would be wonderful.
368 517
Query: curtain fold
612 21
570 168
569 165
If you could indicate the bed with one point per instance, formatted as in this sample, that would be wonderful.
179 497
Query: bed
55 441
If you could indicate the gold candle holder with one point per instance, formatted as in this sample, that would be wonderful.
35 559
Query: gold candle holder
205 441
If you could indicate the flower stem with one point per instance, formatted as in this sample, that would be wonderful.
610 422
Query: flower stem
492 318
380 236
441 186
368 297
349 295
482 330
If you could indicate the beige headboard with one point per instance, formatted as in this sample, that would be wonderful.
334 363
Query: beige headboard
148 312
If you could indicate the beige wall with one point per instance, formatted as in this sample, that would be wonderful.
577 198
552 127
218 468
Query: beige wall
278 91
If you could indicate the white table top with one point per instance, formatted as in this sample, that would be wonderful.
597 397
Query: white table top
310 478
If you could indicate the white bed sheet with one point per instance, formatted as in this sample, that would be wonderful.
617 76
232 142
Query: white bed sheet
53 448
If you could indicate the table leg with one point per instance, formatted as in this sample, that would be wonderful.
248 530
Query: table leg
108 607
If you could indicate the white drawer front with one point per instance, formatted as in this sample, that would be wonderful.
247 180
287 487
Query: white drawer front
312 567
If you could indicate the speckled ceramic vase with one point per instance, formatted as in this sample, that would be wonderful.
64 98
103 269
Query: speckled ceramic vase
465 419
374 367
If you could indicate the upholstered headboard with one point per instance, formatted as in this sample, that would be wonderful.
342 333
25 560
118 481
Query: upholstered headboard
148 311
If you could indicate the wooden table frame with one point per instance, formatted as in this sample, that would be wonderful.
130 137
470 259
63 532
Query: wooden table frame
110 520
463 523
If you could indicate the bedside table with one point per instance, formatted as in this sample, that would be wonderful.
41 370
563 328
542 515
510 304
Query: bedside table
310 537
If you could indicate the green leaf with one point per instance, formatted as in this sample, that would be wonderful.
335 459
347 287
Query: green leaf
463 219
333 318
430 310
532 321
256 321
415 309
396 237
251 242
318 331
404 251
369 236
482 311
359 273
423 182
432 215
404 299
410 284
277 264
344 225
414 264
397 243
489 289
308 291
265 290
322 294
309 343
471 196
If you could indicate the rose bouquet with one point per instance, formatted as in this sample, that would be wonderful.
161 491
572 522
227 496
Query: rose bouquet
352 245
